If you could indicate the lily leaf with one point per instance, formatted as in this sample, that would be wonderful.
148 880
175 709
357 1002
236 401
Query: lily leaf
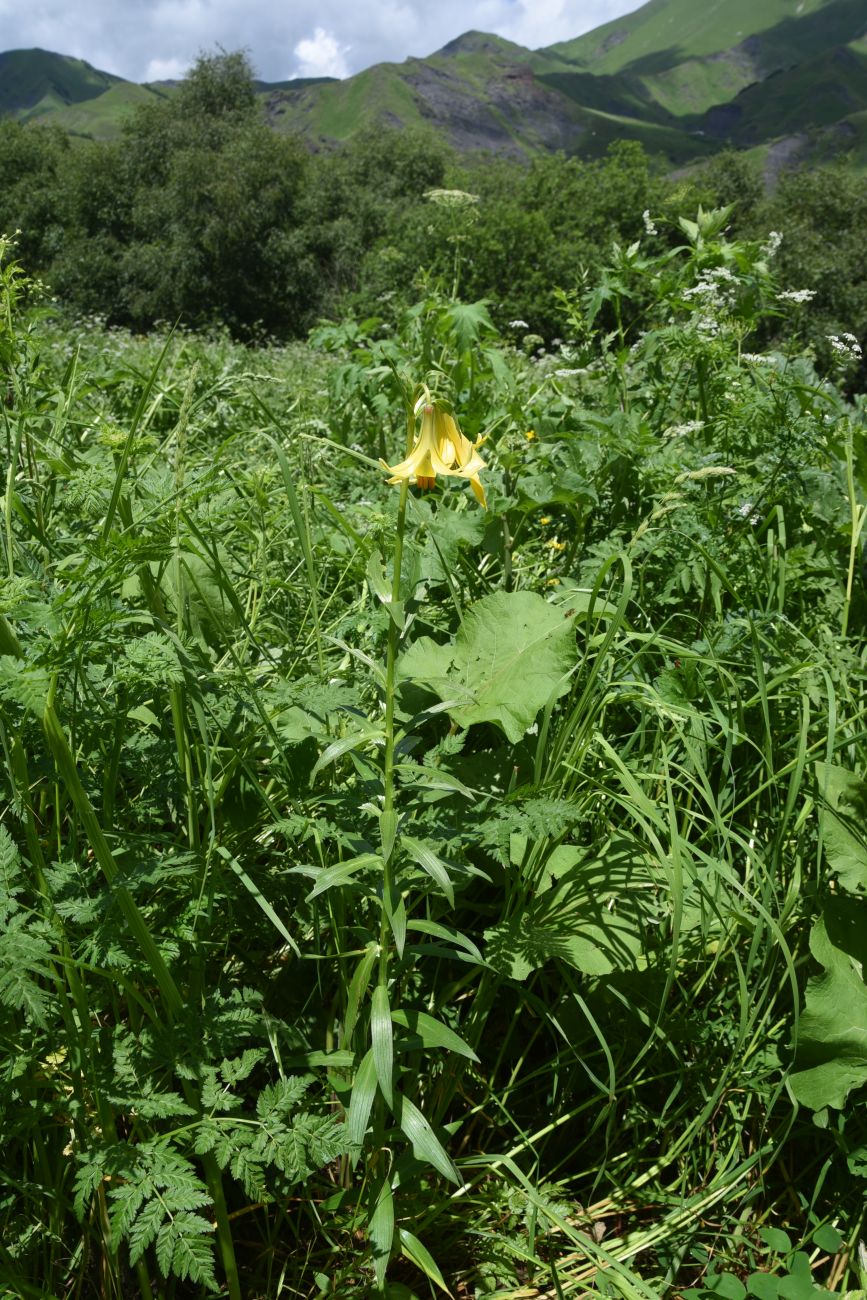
383 1043
418 1254
432 1032
425 1144
361 1103
380 1230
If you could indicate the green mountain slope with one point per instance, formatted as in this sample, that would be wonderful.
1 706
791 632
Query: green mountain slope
484 93
818 93
33 82
783 79
103 117
43 88
666 33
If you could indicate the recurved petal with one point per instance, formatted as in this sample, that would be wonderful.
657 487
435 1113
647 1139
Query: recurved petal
479 492
471 467
407 467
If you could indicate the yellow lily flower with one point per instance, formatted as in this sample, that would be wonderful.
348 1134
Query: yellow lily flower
440 448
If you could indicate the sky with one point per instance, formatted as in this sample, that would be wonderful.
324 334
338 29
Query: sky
151 40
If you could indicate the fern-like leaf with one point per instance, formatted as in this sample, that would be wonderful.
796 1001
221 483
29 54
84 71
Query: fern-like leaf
23 962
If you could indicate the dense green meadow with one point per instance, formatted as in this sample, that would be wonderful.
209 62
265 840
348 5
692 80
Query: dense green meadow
443 888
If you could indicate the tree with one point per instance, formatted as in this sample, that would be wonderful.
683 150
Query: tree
31 162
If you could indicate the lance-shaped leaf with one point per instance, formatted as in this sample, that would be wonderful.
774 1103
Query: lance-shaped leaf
341 873
366 736
425 1143
432 1032
361 1103
510 657
395 911
357 990
429 862
418 1254
382 1041
380 1230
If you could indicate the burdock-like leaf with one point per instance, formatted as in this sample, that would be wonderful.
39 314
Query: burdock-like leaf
832 1037
842 820
512 654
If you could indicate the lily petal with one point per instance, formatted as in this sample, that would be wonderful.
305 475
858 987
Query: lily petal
440 448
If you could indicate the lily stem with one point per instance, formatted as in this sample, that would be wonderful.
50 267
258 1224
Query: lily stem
394 634
858 515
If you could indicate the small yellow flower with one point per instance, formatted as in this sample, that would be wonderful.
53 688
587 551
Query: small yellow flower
546 519
440 448
530 435
556 545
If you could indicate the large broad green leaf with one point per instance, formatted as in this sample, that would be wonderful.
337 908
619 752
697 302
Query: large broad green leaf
831 1056
448 532
596 914
516 948
842 818
511 656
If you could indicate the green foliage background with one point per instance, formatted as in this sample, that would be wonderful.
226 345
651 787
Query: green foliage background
201 214
582 1009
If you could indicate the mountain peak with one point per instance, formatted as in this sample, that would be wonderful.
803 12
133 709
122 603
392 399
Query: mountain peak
474 42
29 78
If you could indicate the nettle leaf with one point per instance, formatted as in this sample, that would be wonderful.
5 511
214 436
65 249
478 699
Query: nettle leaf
512 654
831 1056
841 820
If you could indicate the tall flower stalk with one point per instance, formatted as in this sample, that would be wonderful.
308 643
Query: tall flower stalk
438 447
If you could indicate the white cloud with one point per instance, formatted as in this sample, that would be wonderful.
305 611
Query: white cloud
554 18
321 56
142 39
166 69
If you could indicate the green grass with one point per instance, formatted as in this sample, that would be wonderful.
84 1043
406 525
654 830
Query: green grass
817 93
695 85
337 111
